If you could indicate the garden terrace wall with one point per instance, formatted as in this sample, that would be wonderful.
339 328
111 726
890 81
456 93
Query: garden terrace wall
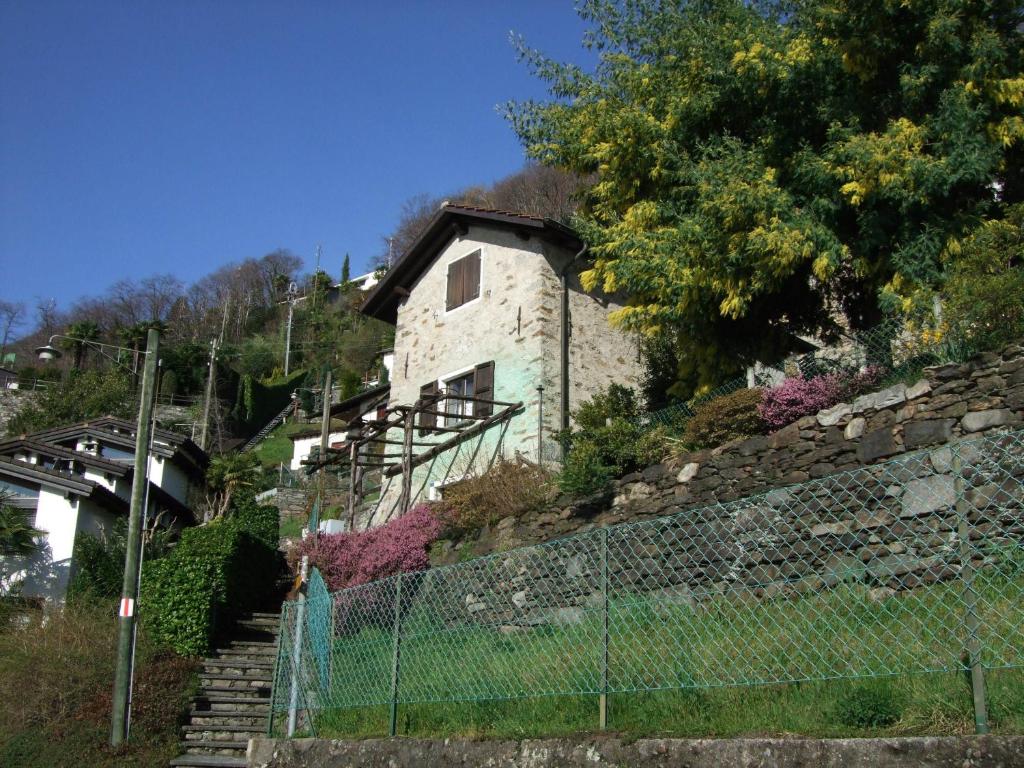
951 402
889 527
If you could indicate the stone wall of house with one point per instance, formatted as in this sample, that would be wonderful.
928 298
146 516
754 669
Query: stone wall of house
516 324
11 403
865 491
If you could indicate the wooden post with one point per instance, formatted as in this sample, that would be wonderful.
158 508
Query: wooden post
405 501
353 454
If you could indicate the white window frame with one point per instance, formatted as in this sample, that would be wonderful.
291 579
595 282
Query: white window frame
442 385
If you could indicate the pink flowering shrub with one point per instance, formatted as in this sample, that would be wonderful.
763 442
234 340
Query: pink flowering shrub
799 397
350 559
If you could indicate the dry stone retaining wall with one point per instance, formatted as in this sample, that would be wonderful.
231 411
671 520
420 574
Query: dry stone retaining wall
818 503
952 402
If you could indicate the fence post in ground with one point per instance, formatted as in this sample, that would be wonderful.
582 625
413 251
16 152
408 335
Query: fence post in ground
300 620
967 575
603 703
395 652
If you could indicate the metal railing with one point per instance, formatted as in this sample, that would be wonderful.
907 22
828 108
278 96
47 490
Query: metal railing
914 565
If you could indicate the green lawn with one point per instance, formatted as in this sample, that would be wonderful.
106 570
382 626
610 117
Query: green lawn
277 447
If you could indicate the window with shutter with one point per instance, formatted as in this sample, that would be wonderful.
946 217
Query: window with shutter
483 385
463 281
428 421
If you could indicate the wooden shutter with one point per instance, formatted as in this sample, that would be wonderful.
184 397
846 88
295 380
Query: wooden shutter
471 277
483 387
427 421
456 287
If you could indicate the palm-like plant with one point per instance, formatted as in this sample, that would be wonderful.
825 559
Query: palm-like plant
226 474
17 536
81 333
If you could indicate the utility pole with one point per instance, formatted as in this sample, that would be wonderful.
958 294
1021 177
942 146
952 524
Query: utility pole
211 377
288 331
133 553
325 431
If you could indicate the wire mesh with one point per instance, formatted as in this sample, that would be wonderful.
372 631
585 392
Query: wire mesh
895 568
890 347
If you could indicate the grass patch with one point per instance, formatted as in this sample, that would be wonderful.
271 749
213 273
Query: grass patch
61 669
292 527
934 704
277 447
816 665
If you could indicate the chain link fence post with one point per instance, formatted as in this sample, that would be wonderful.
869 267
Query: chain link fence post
396 649
603 702
970 595
296 676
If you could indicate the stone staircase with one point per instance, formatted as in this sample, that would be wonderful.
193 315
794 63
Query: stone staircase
233 704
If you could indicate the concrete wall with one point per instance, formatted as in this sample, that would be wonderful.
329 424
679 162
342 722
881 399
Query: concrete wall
170 477
46 573
612 752
515 323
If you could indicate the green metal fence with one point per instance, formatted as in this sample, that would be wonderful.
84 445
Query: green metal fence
909 566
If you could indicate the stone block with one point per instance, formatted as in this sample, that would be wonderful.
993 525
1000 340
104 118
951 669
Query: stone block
979 420
832 416
876 445
883 398
920 433
927 495
920 389
688 472
855 428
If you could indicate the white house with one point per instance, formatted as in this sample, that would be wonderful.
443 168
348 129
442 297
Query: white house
76 479
61 505
346 411
176 464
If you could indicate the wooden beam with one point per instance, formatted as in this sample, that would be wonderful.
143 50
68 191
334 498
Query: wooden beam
469 432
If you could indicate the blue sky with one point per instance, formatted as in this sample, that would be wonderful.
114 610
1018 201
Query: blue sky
153 137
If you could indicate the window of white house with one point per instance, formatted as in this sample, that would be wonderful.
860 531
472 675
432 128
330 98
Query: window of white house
463 281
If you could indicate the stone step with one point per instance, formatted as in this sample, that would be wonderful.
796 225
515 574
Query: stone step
208 761
230 704
226 721
237 733
265 615
242 667
270 624
255 645
254 654
215 747
245 692
253 679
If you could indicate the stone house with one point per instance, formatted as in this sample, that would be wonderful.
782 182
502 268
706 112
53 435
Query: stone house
488 304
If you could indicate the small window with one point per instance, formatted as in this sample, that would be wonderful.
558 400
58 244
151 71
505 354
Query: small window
463 281
457 409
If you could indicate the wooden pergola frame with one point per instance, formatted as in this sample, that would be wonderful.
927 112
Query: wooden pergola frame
362 434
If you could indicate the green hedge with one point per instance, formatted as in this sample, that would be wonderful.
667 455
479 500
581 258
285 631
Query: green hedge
216 573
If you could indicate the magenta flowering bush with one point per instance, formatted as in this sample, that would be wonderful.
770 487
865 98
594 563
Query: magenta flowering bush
350 559
798 396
